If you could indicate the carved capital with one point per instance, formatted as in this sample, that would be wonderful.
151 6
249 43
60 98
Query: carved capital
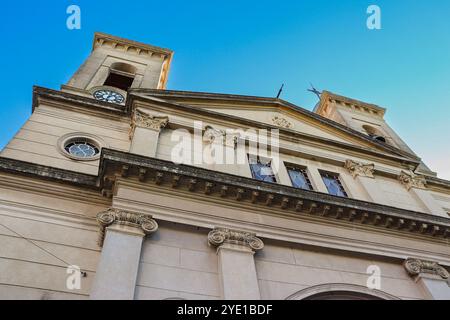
219 236
212 135
415 267
131 219
411 180
359 169
145 120
281 122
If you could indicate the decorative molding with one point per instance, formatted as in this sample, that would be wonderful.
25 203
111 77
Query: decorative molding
281 122
415 267
106 40
359 169
411 180
132 219
287 200
212 135
219 236
145 120
331 288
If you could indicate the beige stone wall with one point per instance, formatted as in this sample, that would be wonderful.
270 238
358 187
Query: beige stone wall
43 228
177 262
37 140
286 269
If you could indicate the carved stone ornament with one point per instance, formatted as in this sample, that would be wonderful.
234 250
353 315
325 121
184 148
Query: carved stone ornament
212 135
410 180
359 169
415 267
231 139
132 219
219 236
281 122
145 120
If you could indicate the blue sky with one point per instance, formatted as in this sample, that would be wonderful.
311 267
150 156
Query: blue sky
251 47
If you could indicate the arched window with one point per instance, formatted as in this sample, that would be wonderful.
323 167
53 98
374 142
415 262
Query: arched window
121 75
374 133
340 291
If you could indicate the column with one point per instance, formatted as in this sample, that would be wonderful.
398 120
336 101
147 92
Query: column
144 132
121 235
237 271
431 276
416 184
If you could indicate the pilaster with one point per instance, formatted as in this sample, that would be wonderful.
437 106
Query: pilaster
121 235
144 132
235 250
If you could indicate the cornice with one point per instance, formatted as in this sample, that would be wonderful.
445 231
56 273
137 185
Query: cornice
278 197
327 96
437 182
40 93
100 38
48 173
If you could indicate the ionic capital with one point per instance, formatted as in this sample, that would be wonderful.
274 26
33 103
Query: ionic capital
220 236
116 216
359 169
416 267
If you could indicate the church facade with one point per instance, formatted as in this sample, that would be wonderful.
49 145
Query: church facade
116 188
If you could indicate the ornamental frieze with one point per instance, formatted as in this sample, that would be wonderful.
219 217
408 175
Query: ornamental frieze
219 236
359 169
411 180
123 217
415 267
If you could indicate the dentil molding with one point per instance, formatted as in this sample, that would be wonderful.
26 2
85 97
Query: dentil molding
219 236
131 219
415 267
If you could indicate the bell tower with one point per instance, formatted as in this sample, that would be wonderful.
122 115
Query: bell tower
116 65
366 118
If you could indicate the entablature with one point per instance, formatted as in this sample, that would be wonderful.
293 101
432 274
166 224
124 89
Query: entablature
277 197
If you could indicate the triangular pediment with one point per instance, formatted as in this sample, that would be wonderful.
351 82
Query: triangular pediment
278 113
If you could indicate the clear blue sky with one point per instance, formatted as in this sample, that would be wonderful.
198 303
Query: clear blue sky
251 47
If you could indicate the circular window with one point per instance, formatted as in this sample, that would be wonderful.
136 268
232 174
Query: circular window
81 146
81 149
